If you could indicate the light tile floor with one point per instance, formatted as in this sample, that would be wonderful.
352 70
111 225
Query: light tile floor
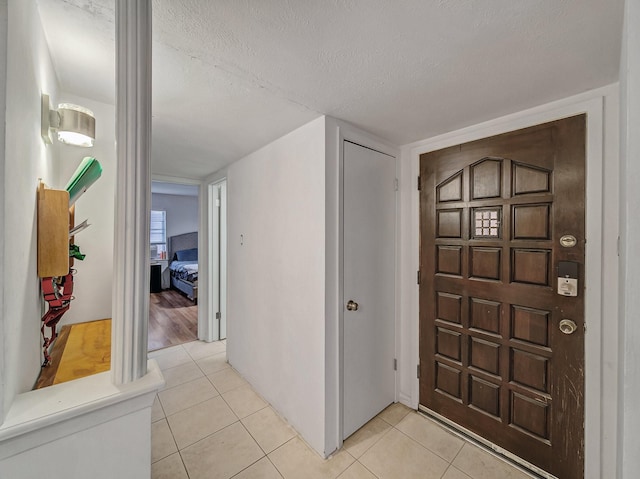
208 423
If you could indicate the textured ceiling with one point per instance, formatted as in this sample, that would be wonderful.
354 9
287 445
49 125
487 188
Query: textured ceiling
230 76
164 188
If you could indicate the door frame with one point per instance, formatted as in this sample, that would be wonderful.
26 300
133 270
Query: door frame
593 104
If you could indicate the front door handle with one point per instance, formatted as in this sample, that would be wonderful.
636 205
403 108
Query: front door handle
352 305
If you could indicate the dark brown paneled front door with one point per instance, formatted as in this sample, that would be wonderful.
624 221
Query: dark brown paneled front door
499 354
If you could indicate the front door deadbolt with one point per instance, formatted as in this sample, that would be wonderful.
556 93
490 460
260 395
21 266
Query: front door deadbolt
567 326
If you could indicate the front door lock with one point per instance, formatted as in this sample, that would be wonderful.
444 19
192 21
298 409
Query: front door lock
352 305
567 278
567 326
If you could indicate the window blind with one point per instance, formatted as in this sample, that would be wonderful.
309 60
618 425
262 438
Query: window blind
158 227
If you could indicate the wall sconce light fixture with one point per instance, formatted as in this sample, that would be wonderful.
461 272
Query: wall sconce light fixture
76 125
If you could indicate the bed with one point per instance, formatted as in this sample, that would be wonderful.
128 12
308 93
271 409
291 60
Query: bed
183 264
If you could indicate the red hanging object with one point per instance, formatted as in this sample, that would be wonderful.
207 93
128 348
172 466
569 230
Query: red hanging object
58 293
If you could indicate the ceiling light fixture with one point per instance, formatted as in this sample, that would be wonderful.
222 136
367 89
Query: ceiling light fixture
76 125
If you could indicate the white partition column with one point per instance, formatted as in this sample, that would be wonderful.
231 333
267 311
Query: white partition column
131 255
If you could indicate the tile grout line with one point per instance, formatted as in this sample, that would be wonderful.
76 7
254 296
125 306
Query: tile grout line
164 413
207 436
151 355
266 454
458 453
195 360
447 470
242 470
184 465
159 352
199 402
449 467
281 445
226 366
372 473
246 383
178 450
238 420
174 442
274 466
376 442
426 448
351 464
185 382
464 441
214 432
255 440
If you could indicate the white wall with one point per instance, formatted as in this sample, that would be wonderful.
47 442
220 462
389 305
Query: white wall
83 428
102 450
276 276
182 212
94 277
29 73
629 389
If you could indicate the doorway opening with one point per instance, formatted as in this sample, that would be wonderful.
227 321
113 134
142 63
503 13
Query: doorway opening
173 302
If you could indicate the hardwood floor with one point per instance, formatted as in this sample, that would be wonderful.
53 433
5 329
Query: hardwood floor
173 320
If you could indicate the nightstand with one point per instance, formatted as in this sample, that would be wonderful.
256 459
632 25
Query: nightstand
163 264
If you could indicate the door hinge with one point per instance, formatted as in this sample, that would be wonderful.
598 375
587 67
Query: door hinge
418 277
218 315
395 364
419 184
418 371
218 202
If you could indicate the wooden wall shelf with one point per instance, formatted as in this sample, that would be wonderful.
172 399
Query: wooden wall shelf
53 232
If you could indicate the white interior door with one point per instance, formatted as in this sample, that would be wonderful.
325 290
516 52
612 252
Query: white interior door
223 260
218 260
369 284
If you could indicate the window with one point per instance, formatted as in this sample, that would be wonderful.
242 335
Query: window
158 236
487 222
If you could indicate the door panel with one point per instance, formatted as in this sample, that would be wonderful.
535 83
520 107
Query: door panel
492 355
369 280
217 295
